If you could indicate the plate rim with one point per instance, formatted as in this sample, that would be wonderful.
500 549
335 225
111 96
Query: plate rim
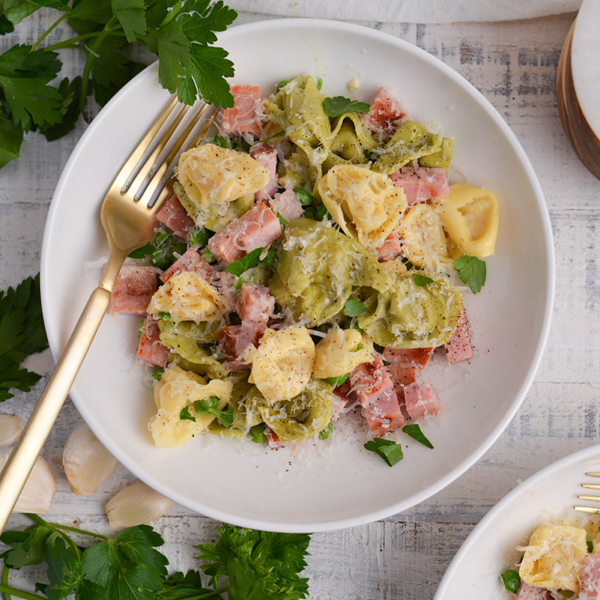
550 272
518 491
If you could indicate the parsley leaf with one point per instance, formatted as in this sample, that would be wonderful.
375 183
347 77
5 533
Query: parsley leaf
5 25
28 547
471 271
257 434
70 93
23 78
421 280
390 451
185 415
414 431
260 565
11 138
205 407
282 220
202 18
64 567
338 105
173 50
132 17
353 308
280 134
237 267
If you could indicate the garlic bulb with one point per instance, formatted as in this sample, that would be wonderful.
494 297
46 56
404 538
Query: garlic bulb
136 504
38 493
87 462
9 429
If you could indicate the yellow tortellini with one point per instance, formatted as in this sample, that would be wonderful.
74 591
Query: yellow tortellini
301 417
366 205
553 558
470 215
396 266
318 269
176 390
188 297
340 351
283 362
211 174
424 239
411 316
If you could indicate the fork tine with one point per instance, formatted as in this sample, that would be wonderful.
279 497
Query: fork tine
588 509
158 175
149 168
590 498
591 486
593 474
134 158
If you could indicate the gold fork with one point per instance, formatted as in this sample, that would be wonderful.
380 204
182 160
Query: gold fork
590 486
129 221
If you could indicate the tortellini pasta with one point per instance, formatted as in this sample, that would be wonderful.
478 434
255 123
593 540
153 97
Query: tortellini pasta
302 417
440 159
366 205
176 390
424 239
211 174
318 269
553 558
188 297
470 215
283 362
340 351
411 316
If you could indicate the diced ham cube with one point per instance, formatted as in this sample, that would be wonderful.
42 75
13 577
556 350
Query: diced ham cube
589 578
175 217
246 117
373 386
421 184
256 305
341 398
420 398
411 357
150 348
391 247
233 341
401 376
255 229
458 347
267 156
385 114
189 261
528 592
272 440
133 290
287 205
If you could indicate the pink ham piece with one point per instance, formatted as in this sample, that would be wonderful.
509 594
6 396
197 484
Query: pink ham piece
175 217
256 305
272 440
341 398
287 205
405 366
421 399
133 290
150 348
374 389
589 578
528 592
190 261
233 341
255 229
385 114
458 347
391 247
267 156
246 116
421 184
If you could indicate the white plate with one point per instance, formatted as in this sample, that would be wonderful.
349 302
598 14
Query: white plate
474 572
348 486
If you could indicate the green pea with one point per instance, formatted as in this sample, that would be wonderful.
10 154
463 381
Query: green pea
321 212
198 237
304 196
282 84
142 252
165 316
257 434
222 142
157 374
208 256
511 580
270 259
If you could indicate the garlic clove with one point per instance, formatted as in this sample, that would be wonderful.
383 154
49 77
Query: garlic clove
10 429
87 462
38 493
136 504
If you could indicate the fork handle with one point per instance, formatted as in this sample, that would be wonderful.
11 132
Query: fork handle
34 435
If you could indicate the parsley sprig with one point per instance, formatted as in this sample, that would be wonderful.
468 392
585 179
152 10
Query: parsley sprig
129 566
338 105
472 271
22 333
182 33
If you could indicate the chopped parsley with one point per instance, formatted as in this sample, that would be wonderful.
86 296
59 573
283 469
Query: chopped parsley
421 280
390 451
257 434
205 407
472 271
353 308
282 220
323 435
414 431
185 415
338 105
511 580
279 134
237 267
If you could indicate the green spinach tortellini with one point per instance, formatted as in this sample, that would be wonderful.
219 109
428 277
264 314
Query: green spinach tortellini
411 316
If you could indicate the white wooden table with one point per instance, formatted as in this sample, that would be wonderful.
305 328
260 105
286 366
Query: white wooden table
514 65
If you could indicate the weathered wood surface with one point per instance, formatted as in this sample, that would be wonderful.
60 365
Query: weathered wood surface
514 66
